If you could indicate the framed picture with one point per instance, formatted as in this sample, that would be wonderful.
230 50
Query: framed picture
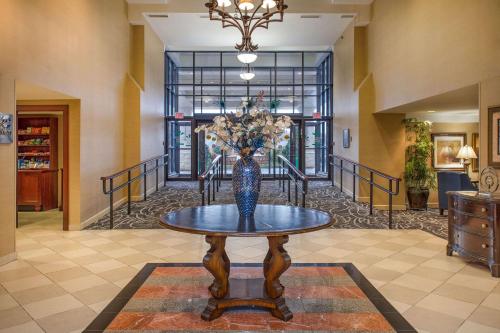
5 128
346 138
445 149
475 146
494 137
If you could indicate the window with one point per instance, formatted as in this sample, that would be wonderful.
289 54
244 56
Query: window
199 83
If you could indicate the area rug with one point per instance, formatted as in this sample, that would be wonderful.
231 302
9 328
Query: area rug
322 297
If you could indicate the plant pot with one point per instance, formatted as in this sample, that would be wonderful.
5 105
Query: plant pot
417 198
247 178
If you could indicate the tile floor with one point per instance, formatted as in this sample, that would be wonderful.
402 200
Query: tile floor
63 279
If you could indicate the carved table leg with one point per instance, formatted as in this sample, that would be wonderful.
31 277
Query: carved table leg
277 261
216 262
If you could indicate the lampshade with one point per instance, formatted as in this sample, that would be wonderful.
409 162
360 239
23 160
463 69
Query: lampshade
466 152
268 4
247 57
246 5
224 3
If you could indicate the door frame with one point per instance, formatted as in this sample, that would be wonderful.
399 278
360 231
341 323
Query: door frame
65 173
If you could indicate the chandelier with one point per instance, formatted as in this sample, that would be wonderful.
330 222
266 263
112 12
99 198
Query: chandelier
248 15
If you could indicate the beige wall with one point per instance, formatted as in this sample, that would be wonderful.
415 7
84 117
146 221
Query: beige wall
79 48
7 175
421 48
489 96
411 50
376 139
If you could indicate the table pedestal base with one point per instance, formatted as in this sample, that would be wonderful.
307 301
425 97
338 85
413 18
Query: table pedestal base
246 292
230 293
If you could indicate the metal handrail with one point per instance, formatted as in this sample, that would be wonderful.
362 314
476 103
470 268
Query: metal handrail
354 171
289 172
159 161
214 176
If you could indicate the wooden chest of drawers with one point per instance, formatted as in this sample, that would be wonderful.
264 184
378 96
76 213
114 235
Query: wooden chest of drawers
473 228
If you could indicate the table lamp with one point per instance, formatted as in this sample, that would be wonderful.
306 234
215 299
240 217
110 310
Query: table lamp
466 153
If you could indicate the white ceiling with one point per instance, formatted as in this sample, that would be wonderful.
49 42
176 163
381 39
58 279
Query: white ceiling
192 31
459 116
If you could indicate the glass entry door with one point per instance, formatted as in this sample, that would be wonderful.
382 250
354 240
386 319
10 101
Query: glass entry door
316 147
179 145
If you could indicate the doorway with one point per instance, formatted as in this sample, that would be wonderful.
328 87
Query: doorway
42 166
306 145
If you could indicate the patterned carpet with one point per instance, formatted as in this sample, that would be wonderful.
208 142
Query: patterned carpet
321 196
322 298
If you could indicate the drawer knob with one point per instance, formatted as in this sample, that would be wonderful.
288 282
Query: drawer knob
483 210
484 226
484 246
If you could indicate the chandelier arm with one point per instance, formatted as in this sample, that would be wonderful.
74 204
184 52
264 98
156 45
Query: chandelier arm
264 21
226 18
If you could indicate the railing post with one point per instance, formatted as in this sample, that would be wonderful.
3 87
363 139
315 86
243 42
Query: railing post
129 193
208 196
354 183
145 182
304 192
157 166
390 203
296 191
289 194
333 169
213 186
283 175
341 175
111 211
371 192
202 191
165 170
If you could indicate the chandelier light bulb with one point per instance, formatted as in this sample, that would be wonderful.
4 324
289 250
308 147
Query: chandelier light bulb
224 3
247 57
246 5
268 4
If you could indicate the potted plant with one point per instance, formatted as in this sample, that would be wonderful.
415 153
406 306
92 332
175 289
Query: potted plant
418 174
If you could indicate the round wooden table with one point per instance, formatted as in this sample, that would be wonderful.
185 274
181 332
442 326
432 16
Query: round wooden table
219 222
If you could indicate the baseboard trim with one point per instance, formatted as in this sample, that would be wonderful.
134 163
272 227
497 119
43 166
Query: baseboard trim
97 216
105 211
8 258
149 192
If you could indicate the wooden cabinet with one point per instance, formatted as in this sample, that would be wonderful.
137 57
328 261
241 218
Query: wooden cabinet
37 188
37 177
473 228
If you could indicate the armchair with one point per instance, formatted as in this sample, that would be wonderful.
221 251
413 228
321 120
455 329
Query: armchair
451 181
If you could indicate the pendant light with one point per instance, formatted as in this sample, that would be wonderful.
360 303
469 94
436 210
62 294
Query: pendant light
247 57
247 74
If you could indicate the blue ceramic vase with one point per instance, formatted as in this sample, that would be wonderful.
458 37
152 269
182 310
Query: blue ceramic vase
246 185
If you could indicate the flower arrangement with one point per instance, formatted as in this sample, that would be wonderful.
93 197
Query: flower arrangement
248 132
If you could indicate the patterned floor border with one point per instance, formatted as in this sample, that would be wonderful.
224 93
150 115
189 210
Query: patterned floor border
395 319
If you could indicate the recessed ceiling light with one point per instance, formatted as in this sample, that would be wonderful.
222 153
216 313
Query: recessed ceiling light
431 111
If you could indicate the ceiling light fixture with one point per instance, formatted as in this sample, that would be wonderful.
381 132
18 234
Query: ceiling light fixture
247 74
247 57
247 17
